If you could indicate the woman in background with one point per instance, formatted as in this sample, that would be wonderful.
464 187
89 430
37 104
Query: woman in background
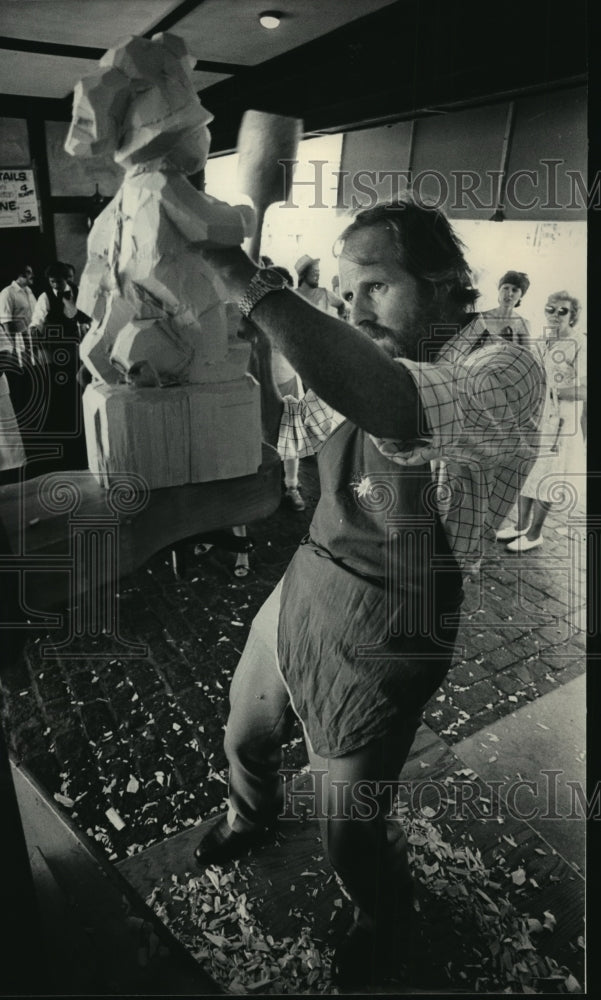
504 320
562 456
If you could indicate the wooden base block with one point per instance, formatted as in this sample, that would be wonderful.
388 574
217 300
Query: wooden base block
172 436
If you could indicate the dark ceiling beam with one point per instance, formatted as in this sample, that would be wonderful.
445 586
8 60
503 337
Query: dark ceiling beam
174 16
85 52
51 109
50 48
219 67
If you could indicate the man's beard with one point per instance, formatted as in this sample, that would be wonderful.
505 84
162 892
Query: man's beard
418 343
392 342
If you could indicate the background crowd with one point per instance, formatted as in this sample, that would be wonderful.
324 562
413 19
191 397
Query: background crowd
41 382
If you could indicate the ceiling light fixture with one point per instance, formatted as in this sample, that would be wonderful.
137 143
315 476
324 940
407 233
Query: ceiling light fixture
270 19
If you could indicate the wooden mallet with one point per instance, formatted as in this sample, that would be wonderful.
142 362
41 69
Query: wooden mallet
264 140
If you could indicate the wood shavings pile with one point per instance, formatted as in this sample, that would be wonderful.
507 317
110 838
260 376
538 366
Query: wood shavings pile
481 942
215 920
492 946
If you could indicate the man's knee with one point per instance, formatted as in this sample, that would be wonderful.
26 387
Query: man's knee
236 743
247 746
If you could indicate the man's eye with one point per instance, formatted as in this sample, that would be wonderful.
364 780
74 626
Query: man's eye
376 286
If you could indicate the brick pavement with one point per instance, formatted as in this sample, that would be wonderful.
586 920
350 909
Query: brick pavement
143 736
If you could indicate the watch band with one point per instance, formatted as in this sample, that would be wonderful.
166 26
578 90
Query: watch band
264 281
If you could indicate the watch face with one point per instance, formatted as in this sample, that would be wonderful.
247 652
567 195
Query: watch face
266 280
272 278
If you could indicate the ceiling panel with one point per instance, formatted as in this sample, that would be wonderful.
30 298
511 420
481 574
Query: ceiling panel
95 23
229 30
221 31
34 75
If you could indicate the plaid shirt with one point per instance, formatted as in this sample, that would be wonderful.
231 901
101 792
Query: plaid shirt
481 401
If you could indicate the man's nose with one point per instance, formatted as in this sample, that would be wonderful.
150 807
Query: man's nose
361 308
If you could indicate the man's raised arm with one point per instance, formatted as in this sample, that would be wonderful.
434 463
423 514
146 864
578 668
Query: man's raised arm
339 362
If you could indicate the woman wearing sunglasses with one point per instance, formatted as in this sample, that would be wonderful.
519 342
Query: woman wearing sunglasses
562 457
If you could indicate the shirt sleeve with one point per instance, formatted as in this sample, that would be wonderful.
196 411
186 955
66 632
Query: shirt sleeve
6 313
306 423
440 418
42 308
473 407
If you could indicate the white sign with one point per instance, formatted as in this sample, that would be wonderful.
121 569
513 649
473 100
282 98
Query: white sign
18 200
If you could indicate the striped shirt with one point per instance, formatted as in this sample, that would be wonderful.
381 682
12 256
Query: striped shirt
481 401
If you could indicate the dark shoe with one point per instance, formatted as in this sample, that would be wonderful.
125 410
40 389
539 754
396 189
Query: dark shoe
294 498
220 843
223 540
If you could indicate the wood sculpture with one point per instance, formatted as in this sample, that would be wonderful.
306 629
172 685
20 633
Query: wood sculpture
169 399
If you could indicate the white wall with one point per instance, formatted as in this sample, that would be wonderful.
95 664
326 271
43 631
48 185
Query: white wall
553 254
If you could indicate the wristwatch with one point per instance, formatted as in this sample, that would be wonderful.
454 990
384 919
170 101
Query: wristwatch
266 280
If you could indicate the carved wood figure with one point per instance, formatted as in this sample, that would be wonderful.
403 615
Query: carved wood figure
170 398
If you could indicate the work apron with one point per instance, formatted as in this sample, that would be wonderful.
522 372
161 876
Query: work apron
369 608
